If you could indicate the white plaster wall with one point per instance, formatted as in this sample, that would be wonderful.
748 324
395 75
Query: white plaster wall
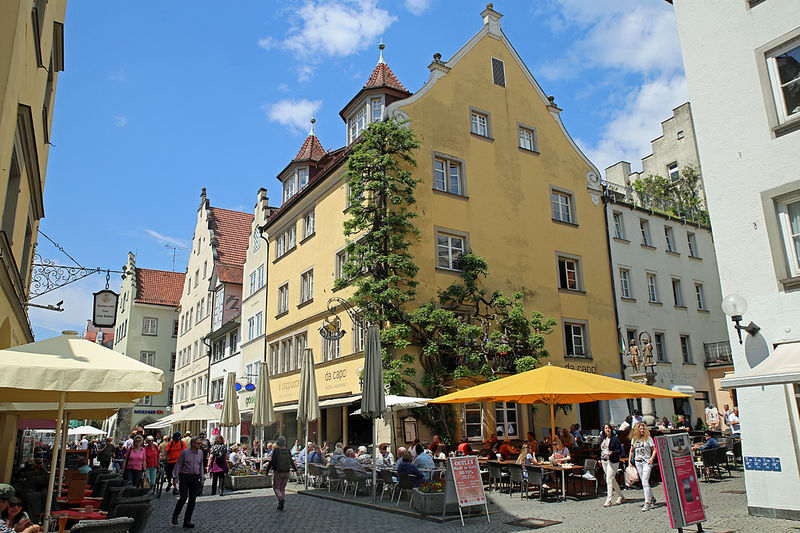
741 158
701 326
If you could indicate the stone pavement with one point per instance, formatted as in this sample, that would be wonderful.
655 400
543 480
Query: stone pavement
254 511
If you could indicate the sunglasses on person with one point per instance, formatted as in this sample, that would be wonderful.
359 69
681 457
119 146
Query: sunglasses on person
18 504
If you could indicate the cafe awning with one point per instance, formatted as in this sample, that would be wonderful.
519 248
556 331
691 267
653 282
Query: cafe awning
780 367
339 402
286 408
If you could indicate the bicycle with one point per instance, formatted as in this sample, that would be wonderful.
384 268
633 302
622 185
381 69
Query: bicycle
161 478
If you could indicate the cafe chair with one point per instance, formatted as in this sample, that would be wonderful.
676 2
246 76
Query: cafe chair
113 525
352 480
333 478
405 486
535 478
496 474
77 488
515 476
388 483
587 477
140 512
722 460
440 463
710 463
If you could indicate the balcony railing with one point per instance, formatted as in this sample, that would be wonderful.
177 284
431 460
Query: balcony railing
665 206
718 353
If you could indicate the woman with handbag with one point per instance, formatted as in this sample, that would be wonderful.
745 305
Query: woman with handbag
642 455
610 451
218 464
135 461
151 462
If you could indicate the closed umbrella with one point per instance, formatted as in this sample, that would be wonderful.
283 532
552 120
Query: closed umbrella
263 410
373 399
229 417
308 402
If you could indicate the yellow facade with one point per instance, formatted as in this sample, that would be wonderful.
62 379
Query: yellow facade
503 212
31 55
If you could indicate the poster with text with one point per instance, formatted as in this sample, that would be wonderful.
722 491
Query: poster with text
467 480
681 490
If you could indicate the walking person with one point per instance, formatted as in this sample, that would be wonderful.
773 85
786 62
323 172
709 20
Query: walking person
174 450
282 462
119 457
610 451
151 462
106 454
135 462
642 455
218 464
191 471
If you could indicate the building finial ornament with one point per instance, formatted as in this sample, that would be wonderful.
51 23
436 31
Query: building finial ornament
492 18
313 121
381 47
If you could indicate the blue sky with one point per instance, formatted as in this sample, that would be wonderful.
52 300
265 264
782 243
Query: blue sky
159 99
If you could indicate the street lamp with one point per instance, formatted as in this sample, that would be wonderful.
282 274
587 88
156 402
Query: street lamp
734 305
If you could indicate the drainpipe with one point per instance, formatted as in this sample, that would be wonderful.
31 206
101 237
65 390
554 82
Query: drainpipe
613 286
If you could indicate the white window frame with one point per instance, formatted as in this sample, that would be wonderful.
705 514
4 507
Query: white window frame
527 138
146 400
445 168
148 358
669 237
357 123
661 347
625 283
644 229
473 408
558 205
576 271
339 261
286 242
677 292
359 336
375 112
701 296
506 428
673 172
686 349
784 115
450 249
791 240
283 299
652 287
691 241
575 330
307 286
479 123
309 224
619 225
331 349
150 326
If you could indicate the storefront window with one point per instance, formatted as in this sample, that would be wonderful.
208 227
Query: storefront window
505 414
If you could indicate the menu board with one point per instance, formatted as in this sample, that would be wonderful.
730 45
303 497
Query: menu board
464 484
682 492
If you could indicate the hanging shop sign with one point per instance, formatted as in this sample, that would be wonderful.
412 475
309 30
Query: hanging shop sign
104 314
332 328
684 503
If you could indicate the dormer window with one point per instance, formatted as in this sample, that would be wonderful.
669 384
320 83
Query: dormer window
371 111
295 182
376 106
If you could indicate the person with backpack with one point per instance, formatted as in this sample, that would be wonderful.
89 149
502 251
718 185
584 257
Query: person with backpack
218 464
174 449
282 462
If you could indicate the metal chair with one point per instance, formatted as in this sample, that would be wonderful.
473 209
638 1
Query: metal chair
405 486
333 477
495 473
722 460
515 476
536 478
711 463
588 475
352 479
388 482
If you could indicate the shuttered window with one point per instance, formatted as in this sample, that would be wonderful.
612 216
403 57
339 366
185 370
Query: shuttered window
498 72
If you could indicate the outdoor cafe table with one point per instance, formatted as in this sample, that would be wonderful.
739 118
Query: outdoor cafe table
563 468
79 503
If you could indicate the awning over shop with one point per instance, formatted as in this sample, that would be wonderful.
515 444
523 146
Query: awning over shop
780 367
396 403
339 402
286 408
683 389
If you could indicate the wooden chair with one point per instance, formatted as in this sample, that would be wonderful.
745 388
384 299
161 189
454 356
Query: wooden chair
77 488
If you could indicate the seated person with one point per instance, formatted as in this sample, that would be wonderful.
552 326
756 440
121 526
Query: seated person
424 462
406 466
385 457
567 439
338 453
13 518
486 450
532 444
709 442
83 466
363 457
441 452
560 452
665 423
401 452
506 449
316 456
682 423
527 458
349 462
576 434
464 448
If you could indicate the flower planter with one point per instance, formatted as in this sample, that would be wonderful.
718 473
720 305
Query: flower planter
431 503
248 482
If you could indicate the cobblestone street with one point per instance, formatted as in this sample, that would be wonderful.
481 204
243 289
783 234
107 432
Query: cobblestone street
254 511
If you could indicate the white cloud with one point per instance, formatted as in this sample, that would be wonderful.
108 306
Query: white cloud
627 135
418 7
293 113
166 239
331 28
282 87
120 121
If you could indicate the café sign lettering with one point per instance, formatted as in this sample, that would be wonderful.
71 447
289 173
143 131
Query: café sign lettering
104 311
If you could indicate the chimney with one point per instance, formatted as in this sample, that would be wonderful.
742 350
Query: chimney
263 203
492 18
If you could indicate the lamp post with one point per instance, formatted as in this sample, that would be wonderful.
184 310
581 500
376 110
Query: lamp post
734 305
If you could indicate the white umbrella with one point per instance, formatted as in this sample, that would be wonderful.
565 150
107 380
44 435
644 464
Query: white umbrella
263 410
308 401
230 404
86 430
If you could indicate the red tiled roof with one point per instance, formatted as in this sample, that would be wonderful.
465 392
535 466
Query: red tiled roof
383 76
311 150
229 273
91 336
232 234
159 287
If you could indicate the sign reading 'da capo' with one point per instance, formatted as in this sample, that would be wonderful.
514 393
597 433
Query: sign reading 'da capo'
767 464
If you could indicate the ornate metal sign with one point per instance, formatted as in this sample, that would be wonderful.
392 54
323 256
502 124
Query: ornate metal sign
332 328
104 313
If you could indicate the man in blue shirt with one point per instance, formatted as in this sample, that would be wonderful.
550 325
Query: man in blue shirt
709 444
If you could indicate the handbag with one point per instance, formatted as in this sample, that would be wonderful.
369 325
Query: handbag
631 475
145 482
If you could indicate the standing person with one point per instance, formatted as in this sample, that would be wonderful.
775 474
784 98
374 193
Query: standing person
174 450
642 455
135 462
106 454
119 457
84 444
92 451
218 464
191 471
712 417
610 450
162 449
637 417
151 460
726 412
282 462
733 419
187 438
205 446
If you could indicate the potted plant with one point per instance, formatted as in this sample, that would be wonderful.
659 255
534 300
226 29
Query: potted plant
429 498
246 477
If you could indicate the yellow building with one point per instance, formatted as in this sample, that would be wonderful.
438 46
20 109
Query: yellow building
500 176
31 55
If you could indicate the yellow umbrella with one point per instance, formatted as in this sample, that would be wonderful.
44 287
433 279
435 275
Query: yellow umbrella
553 385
